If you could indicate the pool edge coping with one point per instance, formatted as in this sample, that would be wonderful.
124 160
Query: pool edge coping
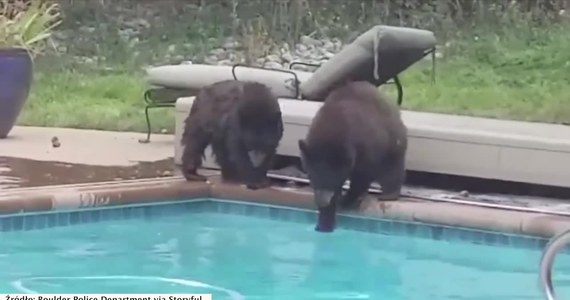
147 191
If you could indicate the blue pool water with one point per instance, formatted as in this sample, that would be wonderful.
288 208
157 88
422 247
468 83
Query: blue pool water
241 257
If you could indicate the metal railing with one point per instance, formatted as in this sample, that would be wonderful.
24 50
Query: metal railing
556 243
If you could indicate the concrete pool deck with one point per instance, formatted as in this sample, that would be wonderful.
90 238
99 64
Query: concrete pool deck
79 146
145 191
112 149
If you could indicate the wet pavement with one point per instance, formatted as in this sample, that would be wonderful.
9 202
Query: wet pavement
89 147
29 157
19 172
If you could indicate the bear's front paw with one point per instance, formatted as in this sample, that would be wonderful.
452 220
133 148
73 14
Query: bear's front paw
389 196
326 221
193 176
257 186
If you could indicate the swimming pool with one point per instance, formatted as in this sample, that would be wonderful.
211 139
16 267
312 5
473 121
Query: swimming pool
243 251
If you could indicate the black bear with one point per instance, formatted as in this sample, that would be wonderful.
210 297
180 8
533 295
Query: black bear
358 135
242 121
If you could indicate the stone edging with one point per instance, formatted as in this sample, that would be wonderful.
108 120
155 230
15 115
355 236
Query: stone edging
88 196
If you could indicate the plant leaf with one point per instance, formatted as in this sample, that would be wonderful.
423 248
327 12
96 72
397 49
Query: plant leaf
29 28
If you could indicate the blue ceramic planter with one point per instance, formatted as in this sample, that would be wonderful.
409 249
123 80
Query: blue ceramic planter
16 73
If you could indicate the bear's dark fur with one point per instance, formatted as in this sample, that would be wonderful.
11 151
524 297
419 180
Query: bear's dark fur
358 135
242 121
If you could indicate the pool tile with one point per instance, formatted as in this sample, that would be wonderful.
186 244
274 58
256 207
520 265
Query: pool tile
476 237
424 232
274 213
17 223
385 227
541 243
411 229
164 210
96 215
521 242
369 225
398 228
29 222
148 212
311 217
74 218
6 223
344 222
537 243
52 219
41 221
239 210
490 238
84 217
445 233
249 210
464 235
115 214
284 215
262 211
226 208
437 233
216 207
372 225
199 206
304 217
504 240
126 213
360 224
63 219
236 208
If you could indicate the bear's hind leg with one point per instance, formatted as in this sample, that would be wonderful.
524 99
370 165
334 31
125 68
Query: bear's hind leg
195 140
222 154
392 179
229 172
359 185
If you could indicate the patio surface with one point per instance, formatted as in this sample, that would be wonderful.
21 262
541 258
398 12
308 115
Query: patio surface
28 157
93 147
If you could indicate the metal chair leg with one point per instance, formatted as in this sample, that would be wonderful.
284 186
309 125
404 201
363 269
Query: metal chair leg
400 90
147 140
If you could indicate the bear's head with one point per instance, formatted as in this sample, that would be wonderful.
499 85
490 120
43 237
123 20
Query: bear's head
328 166
261 135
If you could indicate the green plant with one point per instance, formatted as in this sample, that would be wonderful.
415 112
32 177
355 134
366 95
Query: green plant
28 27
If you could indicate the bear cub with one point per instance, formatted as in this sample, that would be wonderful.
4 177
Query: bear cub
358 135
242 122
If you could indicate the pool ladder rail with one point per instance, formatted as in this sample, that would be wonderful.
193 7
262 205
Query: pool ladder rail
552 248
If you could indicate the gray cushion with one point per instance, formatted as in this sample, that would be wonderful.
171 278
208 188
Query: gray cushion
196 76
375 56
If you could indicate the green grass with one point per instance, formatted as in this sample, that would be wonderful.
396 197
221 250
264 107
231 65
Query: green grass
508 81
521 74
92 100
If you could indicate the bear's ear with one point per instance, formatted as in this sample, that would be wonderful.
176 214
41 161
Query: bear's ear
303 148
